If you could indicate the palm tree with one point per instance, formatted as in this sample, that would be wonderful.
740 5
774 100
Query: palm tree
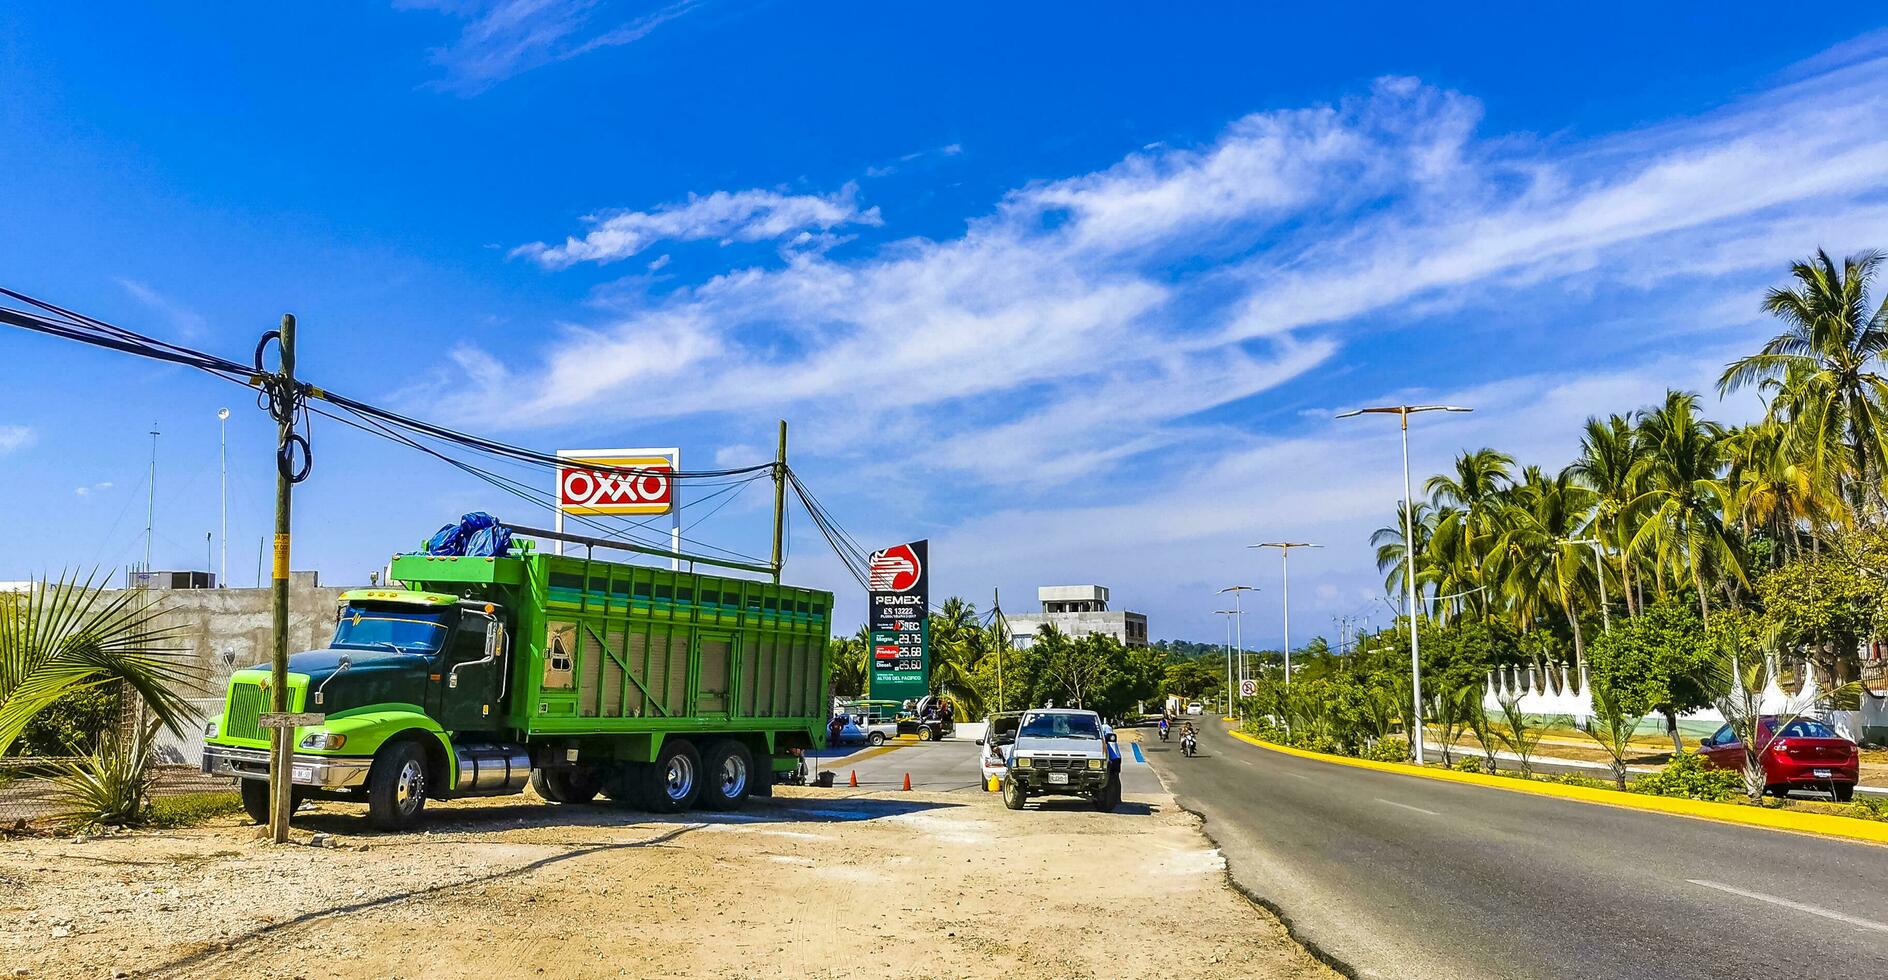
957 645
1679 471
1609 453
1391 553
1821 365
1775 493
1465 502
852 659
1530 564
70 636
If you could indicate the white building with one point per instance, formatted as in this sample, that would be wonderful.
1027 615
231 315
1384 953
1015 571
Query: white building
1079 610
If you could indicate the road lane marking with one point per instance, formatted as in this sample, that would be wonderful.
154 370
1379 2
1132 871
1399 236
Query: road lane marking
1798 906
1136 746
1406 806
1297 775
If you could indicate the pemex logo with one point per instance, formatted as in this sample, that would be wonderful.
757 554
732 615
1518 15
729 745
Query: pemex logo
894 569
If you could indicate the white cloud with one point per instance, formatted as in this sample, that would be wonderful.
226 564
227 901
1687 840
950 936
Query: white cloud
16 437
727 216
187 323
1141 316
94 488
505 38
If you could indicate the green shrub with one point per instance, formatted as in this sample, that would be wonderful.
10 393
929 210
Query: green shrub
185 809
111 786
1390 749
1575 779
1868 808
71 725
1469 763
1688 776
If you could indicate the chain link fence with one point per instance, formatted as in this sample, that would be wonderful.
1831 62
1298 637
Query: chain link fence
29 783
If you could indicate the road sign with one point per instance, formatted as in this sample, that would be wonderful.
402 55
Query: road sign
290 719
1248 688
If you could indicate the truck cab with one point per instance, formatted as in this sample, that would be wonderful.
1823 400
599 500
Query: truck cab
402 664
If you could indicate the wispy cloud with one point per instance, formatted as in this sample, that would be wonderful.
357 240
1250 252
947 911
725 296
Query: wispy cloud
505 38
16 437
726 216
87 491
187 323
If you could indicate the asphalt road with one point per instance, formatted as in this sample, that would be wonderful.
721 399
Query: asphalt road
950 766
1398 876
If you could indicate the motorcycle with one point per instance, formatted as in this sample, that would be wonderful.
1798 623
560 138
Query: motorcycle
1163 733
1188 746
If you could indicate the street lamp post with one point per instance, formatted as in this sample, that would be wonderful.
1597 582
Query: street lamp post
1599 568
1239 626
1284 560
1403 412
1229 614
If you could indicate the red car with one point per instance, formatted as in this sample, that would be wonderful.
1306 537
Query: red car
1806 754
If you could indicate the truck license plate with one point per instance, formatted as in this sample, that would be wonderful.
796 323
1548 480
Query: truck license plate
1821 773
303 774
1058 779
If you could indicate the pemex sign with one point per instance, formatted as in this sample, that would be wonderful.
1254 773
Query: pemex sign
899 621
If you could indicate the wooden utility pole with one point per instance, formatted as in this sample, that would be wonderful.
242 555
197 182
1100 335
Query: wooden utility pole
1001 627
780 497
283 406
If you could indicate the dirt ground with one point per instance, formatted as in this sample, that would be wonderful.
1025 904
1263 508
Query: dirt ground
813 883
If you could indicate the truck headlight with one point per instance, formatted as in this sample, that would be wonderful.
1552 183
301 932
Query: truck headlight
327 741
1023 762
210 728
1096 764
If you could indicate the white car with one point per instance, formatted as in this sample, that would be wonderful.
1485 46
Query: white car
1194 707
999 732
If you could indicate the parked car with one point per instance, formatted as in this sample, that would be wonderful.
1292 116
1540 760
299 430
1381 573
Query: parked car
1065 752
870 729
1194 708
999 733
1805 754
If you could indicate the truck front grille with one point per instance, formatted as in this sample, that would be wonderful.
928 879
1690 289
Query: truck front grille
1060 765
245 704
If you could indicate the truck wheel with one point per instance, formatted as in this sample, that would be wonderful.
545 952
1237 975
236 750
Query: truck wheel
924 733
1109 797
396 787
565 785
1014 795
875 739
255 799
673 781
728 772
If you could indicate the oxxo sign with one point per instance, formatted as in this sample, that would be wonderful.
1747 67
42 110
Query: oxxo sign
616 485
614 482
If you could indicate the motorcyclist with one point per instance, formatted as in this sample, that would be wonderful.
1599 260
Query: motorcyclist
1188 738
1163 728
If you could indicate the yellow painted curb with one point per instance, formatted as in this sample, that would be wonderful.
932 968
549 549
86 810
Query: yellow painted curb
1823 824
864 754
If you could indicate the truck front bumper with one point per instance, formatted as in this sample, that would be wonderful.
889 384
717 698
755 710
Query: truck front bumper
1043 781
325 772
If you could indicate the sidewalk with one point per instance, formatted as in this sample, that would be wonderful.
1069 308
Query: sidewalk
1600 767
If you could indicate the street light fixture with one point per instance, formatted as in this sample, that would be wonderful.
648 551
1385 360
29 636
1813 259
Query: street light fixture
1599 568
1403 412
1284 557
1229 614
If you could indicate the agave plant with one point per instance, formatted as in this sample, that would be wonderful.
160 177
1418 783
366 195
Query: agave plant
73 635
110 786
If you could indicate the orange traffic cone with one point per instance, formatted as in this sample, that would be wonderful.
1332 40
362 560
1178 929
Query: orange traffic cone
854 781
907 782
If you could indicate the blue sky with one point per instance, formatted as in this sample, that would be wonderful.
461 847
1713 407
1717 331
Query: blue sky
1073 290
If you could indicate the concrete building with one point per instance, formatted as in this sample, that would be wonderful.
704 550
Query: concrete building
1079 610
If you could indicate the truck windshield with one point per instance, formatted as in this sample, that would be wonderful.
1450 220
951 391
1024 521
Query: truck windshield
1061 726
405 630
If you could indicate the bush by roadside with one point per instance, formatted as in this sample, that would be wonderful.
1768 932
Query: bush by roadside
1689 777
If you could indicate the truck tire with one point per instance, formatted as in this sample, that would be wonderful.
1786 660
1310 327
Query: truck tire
672 783
875 739
727 775
255 793
1109 797
924 733
565 785
396 787
1014 795
255 799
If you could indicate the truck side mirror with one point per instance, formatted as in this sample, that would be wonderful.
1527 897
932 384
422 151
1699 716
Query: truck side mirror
1110 736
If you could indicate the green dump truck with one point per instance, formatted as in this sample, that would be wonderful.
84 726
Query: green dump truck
662 690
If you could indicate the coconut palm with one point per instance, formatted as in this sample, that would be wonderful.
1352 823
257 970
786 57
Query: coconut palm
1684 497
1530 566
1465 502
1823 366
73 635
1391 553
1609 453
1774 491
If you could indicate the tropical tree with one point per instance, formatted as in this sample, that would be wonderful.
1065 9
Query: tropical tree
1608 465
852 659
1393 554
1822 368
1683 457
73 635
